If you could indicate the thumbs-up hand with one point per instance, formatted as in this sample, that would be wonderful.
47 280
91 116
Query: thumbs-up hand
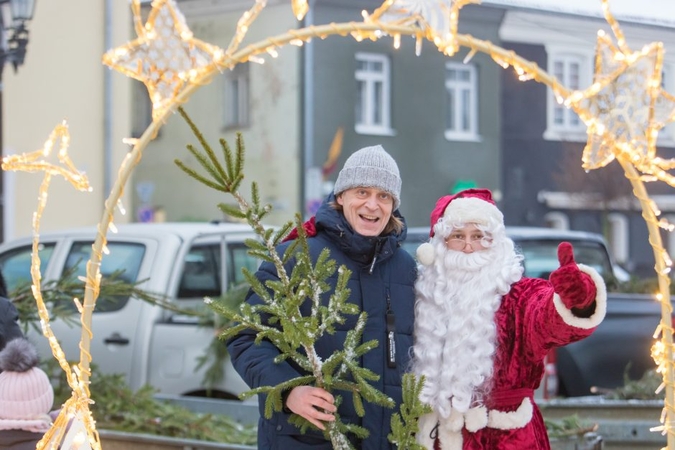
575 288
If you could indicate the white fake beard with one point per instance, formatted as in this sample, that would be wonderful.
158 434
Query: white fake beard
455 333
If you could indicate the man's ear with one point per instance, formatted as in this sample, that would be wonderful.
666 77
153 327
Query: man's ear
339 199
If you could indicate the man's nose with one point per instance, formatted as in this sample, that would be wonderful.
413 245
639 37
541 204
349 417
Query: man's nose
372 202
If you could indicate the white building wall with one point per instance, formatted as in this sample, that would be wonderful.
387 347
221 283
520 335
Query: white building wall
63 78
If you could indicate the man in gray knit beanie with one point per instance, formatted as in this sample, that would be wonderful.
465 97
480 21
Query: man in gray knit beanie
370 167
360 226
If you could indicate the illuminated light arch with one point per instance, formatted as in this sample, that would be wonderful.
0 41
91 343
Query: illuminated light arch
615 65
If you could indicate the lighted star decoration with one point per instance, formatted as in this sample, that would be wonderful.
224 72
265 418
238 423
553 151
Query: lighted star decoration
626 106
620 107
165 56
38 160
437 18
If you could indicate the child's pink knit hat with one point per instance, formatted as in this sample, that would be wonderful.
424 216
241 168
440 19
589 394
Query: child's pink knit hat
26 395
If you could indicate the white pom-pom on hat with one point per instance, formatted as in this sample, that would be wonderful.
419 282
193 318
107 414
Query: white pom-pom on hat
426 254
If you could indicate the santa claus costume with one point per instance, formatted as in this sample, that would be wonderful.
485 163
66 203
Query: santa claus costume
482 330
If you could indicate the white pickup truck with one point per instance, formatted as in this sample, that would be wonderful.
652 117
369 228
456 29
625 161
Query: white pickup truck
149 344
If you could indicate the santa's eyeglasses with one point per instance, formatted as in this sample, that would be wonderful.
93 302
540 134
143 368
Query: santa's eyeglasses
459 241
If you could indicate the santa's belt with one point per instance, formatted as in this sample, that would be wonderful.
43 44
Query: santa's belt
448 431
509 397
481 417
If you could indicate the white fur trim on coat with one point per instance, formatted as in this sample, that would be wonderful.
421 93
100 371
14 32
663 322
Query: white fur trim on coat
456 420
448 438
425 426
600 303
476 419
511 420
473 210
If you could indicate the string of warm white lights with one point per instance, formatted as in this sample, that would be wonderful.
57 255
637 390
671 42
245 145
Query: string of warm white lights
37 162
173 65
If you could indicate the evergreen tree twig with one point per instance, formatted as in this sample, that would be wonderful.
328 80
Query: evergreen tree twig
278 318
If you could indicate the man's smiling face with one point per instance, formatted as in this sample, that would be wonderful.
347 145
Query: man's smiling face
367 209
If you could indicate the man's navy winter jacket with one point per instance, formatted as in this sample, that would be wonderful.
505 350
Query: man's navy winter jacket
382 278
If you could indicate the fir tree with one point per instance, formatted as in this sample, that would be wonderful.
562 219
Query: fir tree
278 319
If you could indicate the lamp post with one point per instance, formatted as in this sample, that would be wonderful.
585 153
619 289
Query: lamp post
14 14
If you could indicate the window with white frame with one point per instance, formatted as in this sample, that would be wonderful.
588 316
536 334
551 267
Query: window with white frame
573 72
461 86
236 97
373 94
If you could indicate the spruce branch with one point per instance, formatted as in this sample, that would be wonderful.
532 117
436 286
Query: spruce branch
301 283
404 425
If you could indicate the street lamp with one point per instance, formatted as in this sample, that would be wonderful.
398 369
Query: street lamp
14 14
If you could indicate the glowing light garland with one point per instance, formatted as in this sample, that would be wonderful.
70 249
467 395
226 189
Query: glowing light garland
77 407
624 108
165 56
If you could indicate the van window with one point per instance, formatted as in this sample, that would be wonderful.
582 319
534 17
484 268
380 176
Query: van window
239 259
201 272
202 269
15 264
124 259
541 256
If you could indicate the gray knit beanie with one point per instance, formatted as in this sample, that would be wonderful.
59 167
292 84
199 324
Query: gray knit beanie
370 167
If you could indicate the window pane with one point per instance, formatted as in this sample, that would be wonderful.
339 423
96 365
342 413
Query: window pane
452 74
574 75
240 259
16 264
450 122
242 112
559 115
377 106
360 99
466 110
558 71
235 106
123 261
464 75
201 273
234 102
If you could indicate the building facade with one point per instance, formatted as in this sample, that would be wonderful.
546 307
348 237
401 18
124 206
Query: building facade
450 122
544 184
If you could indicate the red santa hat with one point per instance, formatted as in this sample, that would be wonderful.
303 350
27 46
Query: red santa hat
468 206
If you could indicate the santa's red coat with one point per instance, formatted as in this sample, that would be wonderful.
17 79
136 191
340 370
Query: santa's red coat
531 320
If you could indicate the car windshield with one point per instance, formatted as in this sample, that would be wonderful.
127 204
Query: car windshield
541 256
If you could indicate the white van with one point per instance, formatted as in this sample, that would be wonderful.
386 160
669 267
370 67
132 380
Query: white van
148 344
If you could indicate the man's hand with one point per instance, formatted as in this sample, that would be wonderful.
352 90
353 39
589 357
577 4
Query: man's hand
312 403
575 288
